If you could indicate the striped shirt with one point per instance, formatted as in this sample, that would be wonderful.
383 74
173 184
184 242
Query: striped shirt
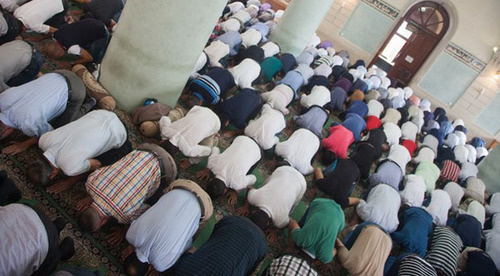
290 265
413 265
445 247
450 171
119 190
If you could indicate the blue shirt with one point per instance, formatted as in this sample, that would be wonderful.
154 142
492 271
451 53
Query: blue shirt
235 248
469 229
232 39
355 124
417 227
358 107
338 97
242 107
294 80
314 119
31 106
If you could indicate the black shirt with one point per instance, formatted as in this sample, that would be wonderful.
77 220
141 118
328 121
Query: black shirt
337 184
103 10
377 138
364 155
82 33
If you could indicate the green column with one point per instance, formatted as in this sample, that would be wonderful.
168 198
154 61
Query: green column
155 47
489 171
299 22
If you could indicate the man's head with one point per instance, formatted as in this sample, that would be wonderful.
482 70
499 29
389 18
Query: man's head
328 157
39 172
193 100
54 50
10 193
90 221
260 218
133 266
5 130
169 147
216 188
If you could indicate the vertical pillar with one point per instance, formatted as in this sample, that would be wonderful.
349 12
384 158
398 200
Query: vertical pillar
299 22
489 171
155 47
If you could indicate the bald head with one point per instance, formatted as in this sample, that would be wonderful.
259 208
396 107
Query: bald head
89 220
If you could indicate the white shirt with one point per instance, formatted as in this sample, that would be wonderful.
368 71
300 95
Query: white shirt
425 154
462 137
71 146
391 115
400 155
232 24
414 192
235 6
481 151
299 150
456 192
250 37
492 246
245 73
471 157
430 141
165 231
282 191
392 132
323 70
409 130
477 210
306 71
215 51
31 106
270 49
34 13
24 244
279 98
242 15
319 95
461 153
265 128
475 188
233 164
200 63
187 132
375 108
439 206
494 206
381 207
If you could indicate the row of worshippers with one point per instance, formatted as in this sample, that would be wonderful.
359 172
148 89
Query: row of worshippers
186 133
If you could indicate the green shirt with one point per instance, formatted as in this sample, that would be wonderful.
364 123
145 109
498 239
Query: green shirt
324 220
269 67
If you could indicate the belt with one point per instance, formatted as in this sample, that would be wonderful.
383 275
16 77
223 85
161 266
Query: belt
68 82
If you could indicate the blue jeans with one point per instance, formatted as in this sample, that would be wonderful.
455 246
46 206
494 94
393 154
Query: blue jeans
30 72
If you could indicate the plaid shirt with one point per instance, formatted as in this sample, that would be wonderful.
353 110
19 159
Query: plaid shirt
119 190
290 265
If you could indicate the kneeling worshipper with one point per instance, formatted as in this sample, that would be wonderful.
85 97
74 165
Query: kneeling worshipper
316 233
231 39
245 73
10 27
141 173
492 239
319 95
387 172
469 229
86 39
474 261
97 139
235 247
299 150
297 77
106 11
337 99
356 124
411 265
430 172
21 63
444 250
49 102
231 169
336 144
266 127
392 132
365 250
30 241
290 264
439 206
413 192
186 133
42 16
211 87
216 51
165 231
413 236
281 192
381 207
338 182
368 151
240 108
279 98
269 68
314 119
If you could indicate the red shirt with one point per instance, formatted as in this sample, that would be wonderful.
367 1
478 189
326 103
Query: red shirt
410 146
338 141
372 122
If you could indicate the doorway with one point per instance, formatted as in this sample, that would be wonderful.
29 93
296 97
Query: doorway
412 41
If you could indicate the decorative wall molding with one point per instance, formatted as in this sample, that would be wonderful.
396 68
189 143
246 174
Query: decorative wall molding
465 57
383 7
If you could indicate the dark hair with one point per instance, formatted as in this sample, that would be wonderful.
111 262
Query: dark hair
39 172
328 157
133 266
169 147
10 193
215 188
86 221
260 218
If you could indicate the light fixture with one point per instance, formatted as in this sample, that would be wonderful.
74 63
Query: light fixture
497 75
495 49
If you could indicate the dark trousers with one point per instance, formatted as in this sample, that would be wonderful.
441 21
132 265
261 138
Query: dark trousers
30 72
53 255
58 19
75 108
113 155
14 27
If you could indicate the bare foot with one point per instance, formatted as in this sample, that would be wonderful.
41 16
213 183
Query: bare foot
203 175
271 235
184 164
312 192
84 203
232 197
59 187
243 211
117 235
271 164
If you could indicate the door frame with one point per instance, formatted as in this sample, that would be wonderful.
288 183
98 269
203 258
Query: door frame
453 23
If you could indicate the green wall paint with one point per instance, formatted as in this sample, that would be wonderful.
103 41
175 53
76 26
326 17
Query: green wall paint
489 172
490 116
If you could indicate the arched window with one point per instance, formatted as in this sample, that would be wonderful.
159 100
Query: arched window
412 41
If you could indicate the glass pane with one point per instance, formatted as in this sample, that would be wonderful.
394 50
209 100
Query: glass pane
392 49
403 30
